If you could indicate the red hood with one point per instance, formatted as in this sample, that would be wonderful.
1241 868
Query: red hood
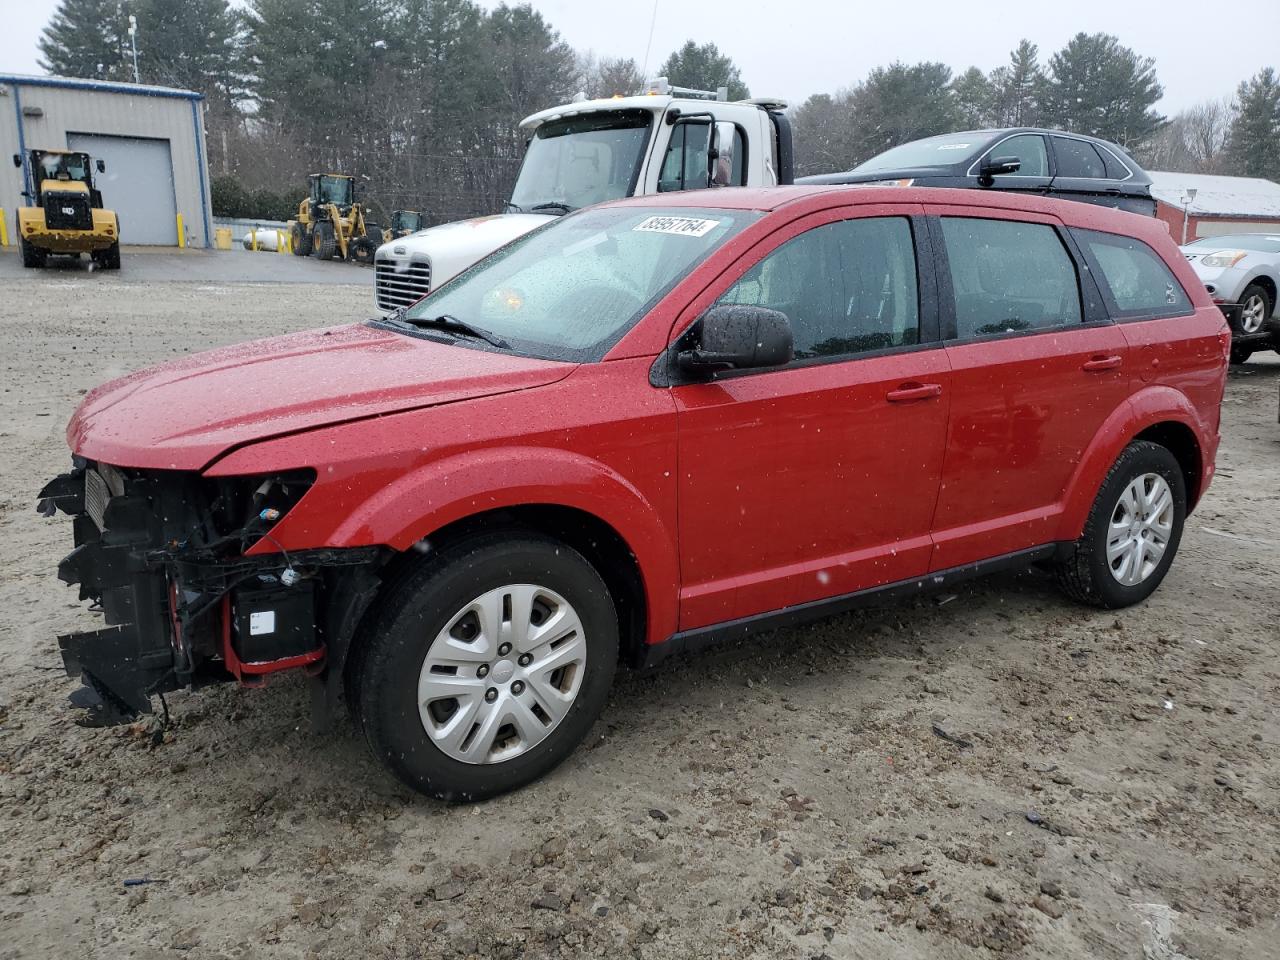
183 414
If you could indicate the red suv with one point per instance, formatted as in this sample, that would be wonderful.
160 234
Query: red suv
649 425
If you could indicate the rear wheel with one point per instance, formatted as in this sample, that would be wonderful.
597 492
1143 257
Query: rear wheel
108 259
485 665
32 256
300 240
1133 530
323 240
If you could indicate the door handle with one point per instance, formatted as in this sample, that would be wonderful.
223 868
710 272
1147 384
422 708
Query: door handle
914 391
1101 363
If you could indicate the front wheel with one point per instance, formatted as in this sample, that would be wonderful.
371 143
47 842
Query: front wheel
1133 530
485 665
32 256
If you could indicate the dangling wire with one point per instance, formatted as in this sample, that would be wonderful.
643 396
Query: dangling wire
644 71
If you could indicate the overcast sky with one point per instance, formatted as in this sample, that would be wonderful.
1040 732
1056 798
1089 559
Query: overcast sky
792 48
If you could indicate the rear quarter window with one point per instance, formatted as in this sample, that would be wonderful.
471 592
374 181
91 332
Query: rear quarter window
1135 281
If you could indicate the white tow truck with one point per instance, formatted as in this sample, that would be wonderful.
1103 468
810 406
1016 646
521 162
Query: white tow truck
667 139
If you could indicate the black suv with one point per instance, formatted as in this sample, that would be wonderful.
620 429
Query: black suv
1022 159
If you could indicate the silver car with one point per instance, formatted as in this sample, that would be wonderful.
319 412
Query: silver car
1244 269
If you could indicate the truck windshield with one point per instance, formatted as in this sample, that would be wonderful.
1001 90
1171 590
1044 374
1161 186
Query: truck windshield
64 166
570 290
336 190
578 161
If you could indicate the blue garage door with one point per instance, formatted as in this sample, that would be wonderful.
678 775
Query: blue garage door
137 185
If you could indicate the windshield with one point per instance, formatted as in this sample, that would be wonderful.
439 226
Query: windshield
336 190
583 160
933 152
64 166
1240 241
570 290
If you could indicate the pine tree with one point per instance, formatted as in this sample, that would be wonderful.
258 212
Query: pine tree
1017 88
1098 87
704 68
1253 142
974 97
87 38
900 103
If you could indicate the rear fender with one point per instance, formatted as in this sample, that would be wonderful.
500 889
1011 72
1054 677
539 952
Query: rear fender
1153 405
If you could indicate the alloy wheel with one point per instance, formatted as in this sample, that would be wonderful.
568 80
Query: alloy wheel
1140 528
502 674
1253 313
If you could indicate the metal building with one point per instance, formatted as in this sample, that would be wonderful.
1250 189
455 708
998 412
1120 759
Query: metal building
150 138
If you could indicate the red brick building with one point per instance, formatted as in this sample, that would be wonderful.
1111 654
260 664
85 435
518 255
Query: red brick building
1213 206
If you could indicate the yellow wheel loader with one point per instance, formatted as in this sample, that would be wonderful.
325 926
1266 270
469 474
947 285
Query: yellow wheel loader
67 217
403 223
331 223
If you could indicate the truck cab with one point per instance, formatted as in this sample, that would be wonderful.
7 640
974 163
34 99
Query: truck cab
668 139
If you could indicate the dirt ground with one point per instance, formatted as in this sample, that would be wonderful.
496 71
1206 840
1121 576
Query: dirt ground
1115 794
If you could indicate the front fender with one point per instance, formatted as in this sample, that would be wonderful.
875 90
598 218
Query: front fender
1147 408
416 504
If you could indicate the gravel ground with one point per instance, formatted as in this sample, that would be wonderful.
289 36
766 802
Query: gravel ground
1107 785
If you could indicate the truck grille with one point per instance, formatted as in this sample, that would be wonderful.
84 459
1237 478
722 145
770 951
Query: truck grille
399 283
67 211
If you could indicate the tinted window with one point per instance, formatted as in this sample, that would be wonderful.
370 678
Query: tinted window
1077 158
847 287
1009 276
1134 278
1115 169
1030 149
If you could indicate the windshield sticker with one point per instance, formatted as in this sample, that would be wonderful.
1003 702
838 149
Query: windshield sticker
684 226
954 146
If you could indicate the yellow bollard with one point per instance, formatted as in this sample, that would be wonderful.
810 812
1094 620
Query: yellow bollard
253 239
4 230
222 238
281 242
182 234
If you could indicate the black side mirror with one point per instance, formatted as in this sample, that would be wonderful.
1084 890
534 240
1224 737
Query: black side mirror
738 337
102 166
992 167
17 159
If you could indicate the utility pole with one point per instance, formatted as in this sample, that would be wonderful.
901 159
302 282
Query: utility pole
133 40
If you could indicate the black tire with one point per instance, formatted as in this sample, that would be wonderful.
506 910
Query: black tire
420 602
108 259
323 240
300 240
1085 574
32 256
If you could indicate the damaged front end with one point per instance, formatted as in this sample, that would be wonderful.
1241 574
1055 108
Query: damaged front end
164 557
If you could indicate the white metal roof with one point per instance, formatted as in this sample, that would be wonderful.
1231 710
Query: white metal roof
1218 196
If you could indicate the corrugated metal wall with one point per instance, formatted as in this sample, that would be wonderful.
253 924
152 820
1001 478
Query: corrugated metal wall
116 112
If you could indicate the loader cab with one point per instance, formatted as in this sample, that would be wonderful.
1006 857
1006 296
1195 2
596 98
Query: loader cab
331 188
405 222
62 171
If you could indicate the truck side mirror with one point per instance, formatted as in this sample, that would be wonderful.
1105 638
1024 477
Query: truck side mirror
17 159
721 157
102 166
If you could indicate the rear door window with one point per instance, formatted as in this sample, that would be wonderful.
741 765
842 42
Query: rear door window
1136 282
848 287
1008 277
1078 159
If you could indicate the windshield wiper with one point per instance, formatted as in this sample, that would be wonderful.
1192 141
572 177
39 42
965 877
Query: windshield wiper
552 205
451 324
